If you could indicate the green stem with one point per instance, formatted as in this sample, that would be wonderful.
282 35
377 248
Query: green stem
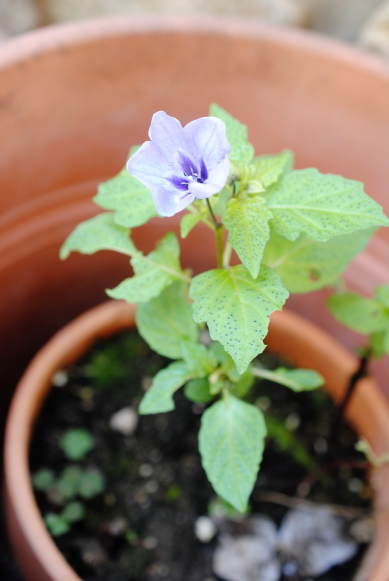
219 246
219 236
227 255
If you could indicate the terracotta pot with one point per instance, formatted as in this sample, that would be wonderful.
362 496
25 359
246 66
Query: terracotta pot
73 99
290 335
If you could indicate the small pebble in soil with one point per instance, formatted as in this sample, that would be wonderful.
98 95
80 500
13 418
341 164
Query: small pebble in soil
124 421
60 378
205 529
151 487
320 445
145 470
93 553
150 543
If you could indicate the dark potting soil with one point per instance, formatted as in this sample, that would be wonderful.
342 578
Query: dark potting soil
141 528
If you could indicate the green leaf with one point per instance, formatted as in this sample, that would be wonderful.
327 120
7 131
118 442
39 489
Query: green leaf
76 443
379 343
359 313
166 320
248 230
188 222
288 442
56 524
231 442
131 201
153 272
73 512
198 358
159 398
241 387
298 379
237 308
198 390
322 206
98 233
268 169
382 295
43 479
91 483
305 265
68 482
241 151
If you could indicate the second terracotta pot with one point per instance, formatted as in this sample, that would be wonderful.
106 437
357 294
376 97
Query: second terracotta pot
290 335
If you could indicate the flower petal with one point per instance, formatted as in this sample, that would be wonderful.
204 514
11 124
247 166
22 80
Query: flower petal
167 135
215 183
168 202
148 165
207 139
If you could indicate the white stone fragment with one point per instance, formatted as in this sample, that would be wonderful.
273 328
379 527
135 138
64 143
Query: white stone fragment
60 379
204 529
124 421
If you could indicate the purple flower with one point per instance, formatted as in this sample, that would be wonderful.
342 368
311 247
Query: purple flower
181 164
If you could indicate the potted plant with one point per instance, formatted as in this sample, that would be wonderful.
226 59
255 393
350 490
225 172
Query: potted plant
46 79
267 214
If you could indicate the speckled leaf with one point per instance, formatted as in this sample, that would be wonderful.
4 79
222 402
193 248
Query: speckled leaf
382 295
359 313
248 230
305 265
237 308
131 201
198 358
298 379
241 151
231 442
98 233
159 398
153 273
322 206
166 320
268 169
188 222
379 343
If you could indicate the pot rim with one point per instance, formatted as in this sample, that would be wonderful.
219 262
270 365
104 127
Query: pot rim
59 36
104 320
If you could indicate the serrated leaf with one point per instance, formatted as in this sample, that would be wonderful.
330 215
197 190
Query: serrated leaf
379 343
188 222
166 320
237 308
91 483
43 479
73 512
382 295
241 151
131 201
248 230
298 379
305 265
98 233
322 206
198 390
288 442
268 169
153 272
56 524
68 482
76 443
198 358
359 313
159 398
231 442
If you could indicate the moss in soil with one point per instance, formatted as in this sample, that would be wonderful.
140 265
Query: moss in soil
142 527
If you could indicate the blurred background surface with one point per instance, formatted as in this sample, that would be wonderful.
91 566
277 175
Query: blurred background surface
361 22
